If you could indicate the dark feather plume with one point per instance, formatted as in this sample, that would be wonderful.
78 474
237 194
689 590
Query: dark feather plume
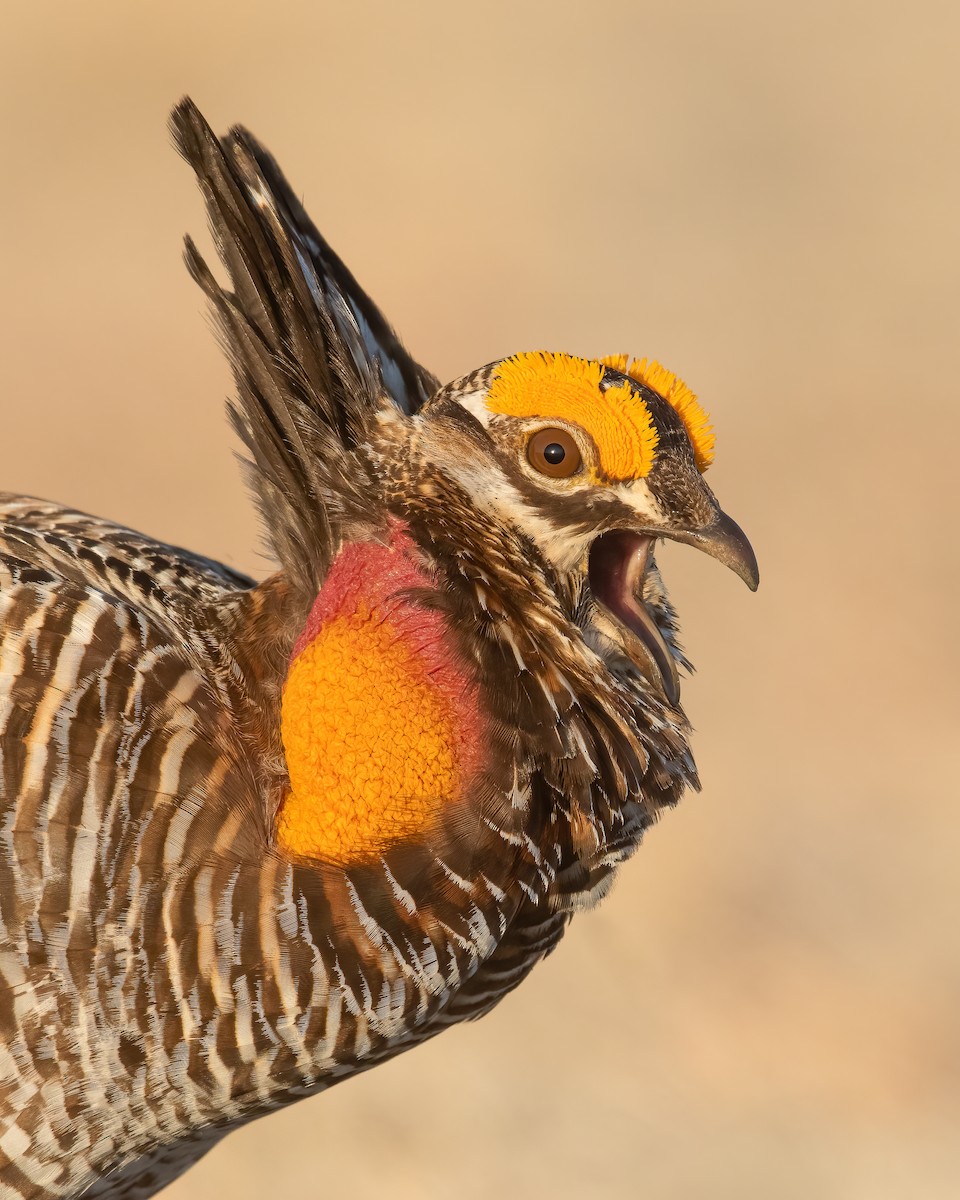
300 336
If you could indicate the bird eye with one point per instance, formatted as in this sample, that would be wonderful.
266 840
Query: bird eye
553 452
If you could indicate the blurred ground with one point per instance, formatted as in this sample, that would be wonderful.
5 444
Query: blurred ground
763 196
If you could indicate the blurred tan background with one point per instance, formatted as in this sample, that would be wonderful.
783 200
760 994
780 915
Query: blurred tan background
766 197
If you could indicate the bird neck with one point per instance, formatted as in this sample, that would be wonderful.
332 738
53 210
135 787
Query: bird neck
376 911
392 849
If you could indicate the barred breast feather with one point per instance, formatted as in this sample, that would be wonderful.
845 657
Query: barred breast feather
116 747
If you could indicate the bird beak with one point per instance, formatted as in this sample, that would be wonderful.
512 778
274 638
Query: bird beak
724 540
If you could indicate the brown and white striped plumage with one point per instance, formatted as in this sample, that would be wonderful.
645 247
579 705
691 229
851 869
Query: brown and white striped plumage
166 970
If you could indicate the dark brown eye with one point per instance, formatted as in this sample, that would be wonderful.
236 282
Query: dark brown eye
553 452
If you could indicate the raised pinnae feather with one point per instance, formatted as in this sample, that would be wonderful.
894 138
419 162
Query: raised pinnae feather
307 386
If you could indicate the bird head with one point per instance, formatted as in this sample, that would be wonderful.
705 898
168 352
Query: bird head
590 462
587 462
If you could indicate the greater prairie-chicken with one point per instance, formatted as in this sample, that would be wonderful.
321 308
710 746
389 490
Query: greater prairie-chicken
257 837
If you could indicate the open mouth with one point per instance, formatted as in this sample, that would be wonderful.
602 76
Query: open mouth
617 566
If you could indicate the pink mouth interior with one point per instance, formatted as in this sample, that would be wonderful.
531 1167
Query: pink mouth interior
618 563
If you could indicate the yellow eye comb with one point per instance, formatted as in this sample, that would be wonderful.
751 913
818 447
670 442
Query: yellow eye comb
676 393
562 387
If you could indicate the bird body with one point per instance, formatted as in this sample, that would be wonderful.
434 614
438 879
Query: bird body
255 838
